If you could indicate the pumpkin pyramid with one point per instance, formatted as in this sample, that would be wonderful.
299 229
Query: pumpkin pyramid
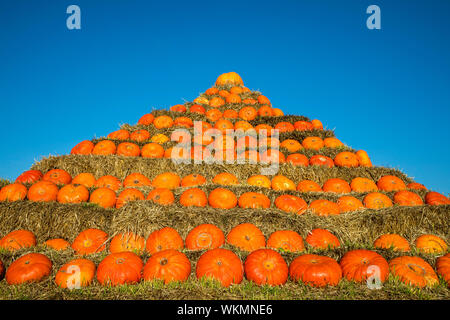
184 182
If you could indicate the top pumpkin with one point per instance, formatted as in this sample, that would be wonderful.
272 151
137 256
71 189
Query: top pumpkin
230 78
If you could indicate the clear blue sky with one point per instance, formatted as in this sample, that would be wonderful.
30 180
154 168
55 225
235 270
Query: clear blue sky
385 91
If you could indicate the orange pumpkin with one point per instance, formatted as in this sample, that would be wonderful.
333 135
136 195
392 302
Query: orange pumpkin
332 142
196 108
317 124
136 180
205 236
167 180
322 239
84 148
359 265
57 244
146 119
120 268
360 184
168 265
104 148
416 186
128 149
163 239
407 198
248 113
286 240
392 241
161 196
376 200
30 176
291 204
73 194
178 108
303 125
336 185
85 179
254 200
32 267
324 208
233 98
263 100
109 182
57 176
119 135
236 90
90 241
221 198
127 242
280 182
413 271
212 91
265 111
363 158
349 204
43 191
391 183
277 112
226 179
75 274
230 78
128 195
18 239
346 159
246 237
436 199
216 102
152 150
297 159
249 101
315 270
259 181
104 197
221 265
321 160
223 125
314 143
308 186
162 122
284 126
213 115
443 267
193 197
291 145
266 266
13 192
430 243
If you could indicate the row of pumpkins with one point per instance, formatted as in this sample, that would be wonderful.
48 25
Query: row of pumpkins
262 266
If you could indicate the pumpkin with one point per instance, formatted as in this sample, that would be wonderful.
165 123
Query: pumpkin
322 239
429 243
390 183
229 79
128 195
57 244
392 241
263 100
168 265
32 267
85 179
213 114
159 138
246 237
90 241
75 274
196 108
349 204
136 180
13 192
336 185
291 145
346 159
413 271
284 127
57 176
363 158
298 159
265 111
376 200
248 113
109 182
146 119
443 267
416 186
249 101
277 112
104 148
178 108
212 91
163 239
73 194
193 197
120 268
236 90
435 199
221 265
152 150
216 102
324 208
280 182
201 100
119 135
184 122
321 160
259 181
221 198
359 265
303 125
84 148
314 143
407 198
43 191
315 270
254 200
128 149
162 122
161 196
286 240
205 236
18 239
308 186
193 180
30 176
264 129
360 184
223 125
226 179
317 124
291 204
332 142
104 197
2 270
234 98
266 267
127 242
167 180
